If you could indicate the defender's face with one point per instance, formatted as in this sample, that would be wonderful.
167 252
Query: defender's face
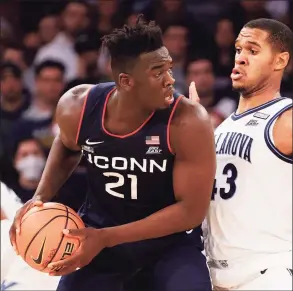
254 61
153 79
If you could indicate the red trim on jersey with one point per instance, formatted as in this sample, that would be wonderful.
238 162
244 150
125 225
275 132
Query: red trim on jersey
169 123
116 135
81 116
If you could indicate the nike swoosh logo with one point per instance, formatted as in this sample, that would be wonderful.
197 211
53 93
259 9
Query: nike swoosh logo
38 260
93 142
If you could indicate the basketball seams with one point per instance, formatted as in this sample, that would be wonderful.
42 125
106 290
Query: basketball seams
60 242
76 216
38 232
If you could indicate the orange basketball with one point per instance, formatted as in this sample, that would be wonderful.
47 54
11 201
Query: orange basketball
41 240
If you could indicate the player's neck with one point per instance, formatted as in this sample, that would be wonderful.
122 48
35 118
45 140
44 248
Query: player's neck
124 108
256 99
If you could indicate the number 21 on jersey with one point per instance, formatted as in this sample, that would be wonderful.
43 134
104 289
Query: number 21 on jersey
230 172
121 180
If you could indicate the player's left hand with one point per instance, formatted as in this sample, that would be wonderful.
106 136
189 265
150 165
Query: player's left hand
91 244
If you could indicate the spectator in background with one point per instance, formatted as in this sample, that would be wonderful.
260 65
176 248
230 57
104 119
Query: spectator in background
165 12
49 82
87 46
176 40
218 105
243 11
15 53
48 28
224 58
29 161
74 19
14 101
107 16
38 120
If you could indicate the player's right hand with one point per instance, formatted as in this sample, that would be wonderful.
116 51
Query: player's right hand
193 96
15 227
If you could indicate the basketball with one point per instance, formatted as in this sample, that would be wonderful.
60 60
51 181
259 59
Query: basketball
41 240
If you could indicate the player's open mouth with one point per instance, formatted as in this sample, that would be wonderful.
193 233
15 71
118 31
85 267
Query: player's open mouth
170 98
236 74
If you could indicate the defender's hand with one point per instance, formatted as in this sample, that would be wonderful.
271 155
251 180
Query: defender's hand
91 244
193 93
15 227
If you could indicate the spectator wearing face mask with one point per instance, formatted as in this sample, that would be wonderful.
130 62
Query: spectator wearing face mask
29 161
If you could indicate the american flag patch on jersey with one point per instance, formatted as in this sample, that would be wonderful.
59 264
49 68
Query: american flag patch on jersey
151 140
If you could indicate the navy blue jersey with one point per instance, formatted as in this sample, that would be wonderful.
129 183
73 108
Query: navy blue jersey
130 177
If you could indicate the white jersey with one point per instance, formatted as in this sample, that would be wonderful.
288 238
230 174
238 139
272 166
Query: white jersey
15 273
249 222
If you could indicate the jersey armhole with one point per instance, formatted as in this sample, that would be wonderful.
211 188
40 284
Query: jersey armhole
81 117
269 139
169 123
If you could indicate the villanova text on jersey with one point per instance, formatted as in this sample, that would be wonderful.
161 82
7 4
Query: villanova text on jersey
235 144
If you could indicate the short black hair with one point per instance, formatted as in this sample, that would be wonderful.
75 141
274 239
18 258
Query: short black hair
11 68
49 64
87 41
195 57
127 43
280 35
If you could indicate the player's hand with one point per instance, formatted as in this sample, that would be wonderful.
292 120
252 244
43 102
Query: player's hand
15 227
193 93
91 244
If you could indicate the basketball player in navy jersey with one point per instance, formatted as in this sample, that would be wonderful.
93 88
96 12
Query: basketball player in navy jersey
151 163
249 223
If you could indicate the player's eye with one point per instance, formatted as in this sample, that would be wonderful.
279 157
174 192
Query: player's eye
253 52
159 74
170 72
238 50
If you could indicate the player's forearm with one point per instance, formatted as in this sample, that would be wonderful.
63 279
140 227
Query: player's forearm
172 219
60 164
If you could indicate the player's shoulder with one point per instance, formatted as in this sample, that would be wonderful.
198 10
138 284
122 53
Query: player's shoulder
78 93
284 121
286 115
188 111
75 95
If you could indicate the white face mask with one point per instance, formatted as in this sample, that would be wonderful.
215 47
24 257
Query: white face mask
31 167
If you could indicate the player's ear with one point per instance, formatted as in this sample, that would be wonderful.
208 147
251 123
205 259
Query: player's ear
282 60
125 81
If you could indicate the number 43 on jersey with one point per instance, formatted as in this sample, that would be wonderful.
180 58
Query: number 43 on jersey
230 172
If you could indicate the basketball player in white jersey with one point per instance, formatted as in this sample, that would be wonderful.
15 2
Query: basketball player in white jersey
249 224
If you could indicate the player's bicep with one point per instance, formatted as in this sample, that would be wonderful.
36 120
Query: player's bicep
195 162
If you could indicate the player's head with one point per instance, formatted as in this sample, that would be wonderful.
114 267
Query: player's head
141 65
263 50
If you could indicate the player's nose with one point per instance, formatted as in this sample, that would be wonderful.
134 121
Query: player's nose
241 59
169 81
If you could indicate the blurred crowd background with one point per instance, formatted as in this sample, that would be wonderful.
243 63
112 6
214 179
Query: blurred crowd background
50 46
